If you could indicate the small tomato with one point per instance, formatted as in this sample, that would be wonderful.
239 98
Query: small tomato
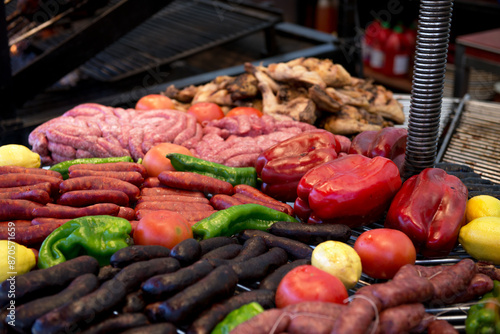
383 251
308 283
244 111
154 101
205 111
156 161
163 228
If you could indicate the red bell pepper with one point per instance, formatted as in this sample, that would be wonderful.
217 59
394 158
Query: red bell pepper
282 166
389 143
430 209
353 190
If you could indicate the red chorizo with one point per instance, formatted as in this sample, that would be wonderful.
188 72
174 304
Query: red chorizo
17 209
121 166
441 327
249 200
132 177
38 171
126 213
81 198
401 319
63 211
478 286
100 183
221 201
24 179
28 235
159 191
45 186
173 206
151 182
256 194
15 223
189 215
42 220
173 198
35 195
194 181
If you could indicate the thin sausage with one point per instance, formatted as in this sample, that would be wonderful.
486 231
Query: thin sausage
249 200
260 266
25 170
190 180
131 177
151 182
173 198
271 281
63 211
401 319
222 202
174 206
158 191
15 223
17 209
126 213
121 166
81 198
45 186
34 195
42 220
100 183
136 253
20 179
28 235
252 192
187 251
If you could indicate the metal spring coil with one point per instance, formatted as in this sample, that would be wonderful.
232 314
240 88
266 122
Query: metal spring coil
427 85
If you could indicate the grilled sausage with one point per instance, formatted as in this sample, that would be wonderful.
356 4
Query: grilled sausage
45 186
15 223
159 191
25 170
441 327
226 252
25 179
271 281
100 183
174 206
81 198
186 252
206 322
106 273
401 319
41 221
249 200
163 328
311 234
131 177
252 192
161 287
28 235
222 202
136 253
122 166
208 245
63 211
219 284
173 198
34 195
26 314
17 209
256 268
118 324
151 182
251 248
134 302
38 283
190 180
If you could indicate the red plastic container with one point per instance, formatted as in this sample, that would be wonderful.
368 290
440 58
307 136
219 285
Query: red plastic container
397 54
377 52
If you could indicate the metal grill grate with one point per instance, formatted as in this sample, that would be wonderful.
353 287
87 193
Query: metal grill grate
181 29
476 140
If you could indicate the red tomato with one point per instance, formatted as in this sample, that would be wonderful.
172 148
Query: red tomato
205 111
154 101
308 283
162 227
155 159
244 111
383 251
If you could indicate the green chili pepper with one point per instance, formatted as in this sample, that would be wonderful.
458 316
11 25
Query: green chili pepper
233 175
236 317
62 167
238 218
97 236
484 317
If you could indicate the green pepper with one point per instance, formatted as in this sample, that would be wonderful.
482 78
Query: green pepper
97 236
238 218
233 175
62 167
236 317
484 317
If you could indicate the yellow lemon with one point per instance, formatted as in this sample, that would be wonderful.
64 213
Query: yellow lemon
15 259
338 259
482 206
480 239
18 155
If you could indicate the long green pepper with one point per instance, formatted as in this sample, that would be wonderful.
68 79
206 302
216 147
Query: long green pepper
236 317
238 218
484 317
233 175
63 167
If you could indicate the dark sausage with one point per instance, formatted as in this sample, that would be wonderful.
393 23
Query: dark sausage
256 268
136 253
63 211
81 198
106 273
117 324
226 252
121 166
131 177
208 245
163 328
28 235
252 192
206 322
161 287
296 249
100 183
251 248
159 191
222 202
17 209
219 284
271 281
186 252
34 195
311 234
37 171
26 314
134 302
194 181
43 282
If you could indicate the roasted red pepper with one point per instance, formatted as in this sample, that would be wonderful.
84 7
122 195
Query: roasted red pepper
389 143
430 208
281 166
353 190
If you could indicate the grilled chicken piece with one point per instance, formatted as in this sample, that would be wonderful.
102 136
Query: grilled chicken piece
382 101
184 95
323 100
351 120
244 86
212 92
297 74
261 75
333 75
352 96
287 93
